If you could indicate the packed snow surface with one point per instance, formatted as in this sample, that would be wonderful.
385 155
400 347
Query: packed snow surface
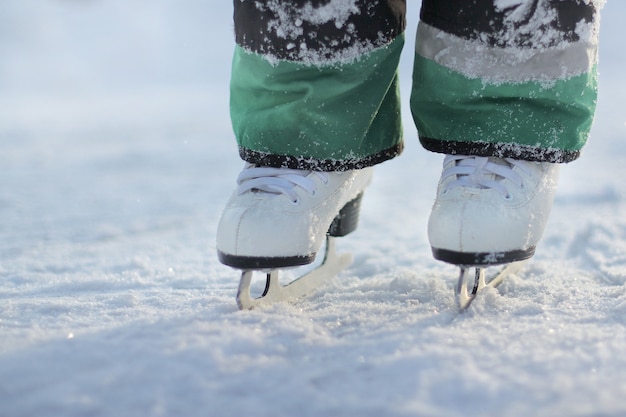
116 159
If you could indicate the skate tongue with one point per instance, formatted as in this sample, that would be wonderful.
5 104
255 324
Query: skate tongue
277 180
479 172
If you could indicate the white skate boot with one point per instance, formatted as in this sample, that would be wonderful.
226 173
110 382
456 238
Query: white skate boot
490 211
279 218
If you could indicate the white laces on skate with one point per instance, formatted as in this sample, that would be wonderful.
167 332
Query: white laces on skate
278 181
483 172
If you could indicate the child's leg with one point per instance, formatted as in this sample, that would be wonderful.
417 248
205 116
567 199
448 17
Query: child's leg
314 83
508 79
314 104
507 90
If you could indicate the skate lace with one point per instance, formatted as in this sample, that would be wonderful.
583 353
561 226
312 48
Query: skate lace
484 173
279 181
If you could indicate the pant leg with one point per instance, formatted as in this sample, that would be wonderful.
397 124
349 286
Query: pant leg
314 83
506 78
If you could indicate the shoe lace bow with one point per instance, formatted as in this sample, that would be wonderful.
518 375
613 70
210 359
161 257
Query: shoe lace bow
279 181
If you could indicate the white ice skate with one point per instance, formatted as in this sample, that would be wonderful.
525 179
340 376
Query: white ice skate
279 218
489 211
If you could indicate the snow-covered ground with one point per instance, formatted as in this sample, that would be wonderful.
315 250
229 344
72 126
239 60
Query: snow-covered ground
116 157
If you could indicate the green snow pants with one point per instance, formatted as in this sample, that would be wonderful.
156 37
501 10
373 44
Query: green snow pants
315 85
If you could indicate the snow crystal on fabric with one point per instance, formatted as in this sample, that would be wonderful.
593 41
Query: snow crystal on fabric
313 47
535 40
534 23
496 65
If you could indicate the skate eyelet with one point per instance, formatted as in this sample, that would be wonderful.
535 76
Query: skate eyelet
295 201
508 197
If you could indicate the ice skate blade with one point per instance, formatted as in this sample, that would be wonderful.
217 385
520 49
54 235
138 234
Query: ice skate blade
472 279
274 291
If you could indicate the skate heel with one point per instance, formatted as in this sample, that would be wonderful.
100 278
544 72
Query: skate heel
348 218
